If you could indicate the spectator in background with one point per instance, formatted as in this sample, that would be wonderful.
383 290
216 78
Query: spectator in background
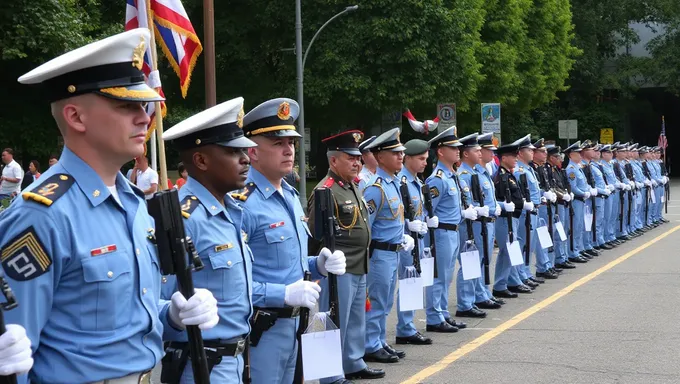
10 181
144 177
183 174
293 178
53 160
31 175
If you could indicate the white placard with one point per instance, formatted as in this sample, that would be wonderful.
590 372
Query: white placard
638 198
410 294
560 231
653 197
469 262
544 237
663 198
322 354
515 253
427 271
588 218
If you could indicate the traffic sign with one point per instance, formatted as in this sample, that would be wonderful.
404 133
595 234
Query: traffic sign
607 136
568 129
447 116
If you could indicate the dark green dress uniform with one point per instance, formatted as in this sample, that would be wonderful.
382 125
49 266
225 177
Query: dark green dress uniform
353 239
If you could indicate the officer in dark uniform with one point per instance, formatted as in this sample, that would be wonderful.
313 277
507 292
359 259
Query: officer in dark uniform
351 213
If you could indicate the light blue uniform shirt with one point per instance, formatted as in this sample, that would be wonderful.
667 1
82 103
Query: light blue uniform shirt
534 188
577 180
385 208
465 173
85 275
608 172
598 177
277 233
216 231
489 190
445 195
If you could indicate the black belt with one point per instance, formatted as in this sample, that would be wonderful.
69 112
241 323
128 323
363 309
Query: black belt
384 246
579 198
220 347
448 227
282 313
489 219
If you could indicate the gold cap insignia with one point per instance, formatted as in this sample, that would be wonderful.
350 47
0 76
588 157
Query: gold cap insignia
71 88
239 118
284 111
138 55
63 177
357 137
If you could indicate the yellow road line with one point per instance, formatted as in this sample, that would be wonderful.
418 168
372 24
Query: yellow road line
483 339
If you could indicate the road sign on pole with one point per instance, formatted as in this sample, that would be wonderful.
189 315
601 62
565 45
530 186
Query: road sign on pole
607 136
447 116
568 129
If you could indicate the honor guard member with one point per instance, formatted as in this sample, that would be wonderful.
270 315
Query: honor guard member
603 193
661 180
351 213
446 203
641 183
472 294
581 191
387 239
213 149
547 269
512 204
415 161
370 164
277 232
588 246
522 273
611 204
564 198
486 180
655 179
619 164
650 184
91 303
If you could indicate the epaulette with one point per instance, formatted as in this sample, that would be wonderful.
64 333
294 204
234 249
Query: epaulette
51 189
521 169
329 182
378 182
439 173
189 204
243 194
464 172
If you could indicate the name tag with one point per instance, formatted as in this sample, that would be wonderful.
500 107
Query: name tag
223 247
103 250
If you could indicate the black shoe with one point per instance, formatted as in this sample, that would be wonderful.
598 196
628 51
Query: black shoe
443 327
489 304
457 324
416 339
530 283
366 374
506 293
591 253
394 352
664 220
565 265
597 247
497 300
578 259
380 356
342 381
556 269
546 275
519 289
472 312
606 247
536 279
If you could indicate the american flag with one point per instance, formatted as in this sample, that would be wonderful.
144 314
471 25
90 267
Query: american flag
663 143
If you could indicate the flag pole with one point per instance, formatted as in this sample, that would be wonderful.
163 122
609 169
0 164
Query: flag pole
209 51
158 115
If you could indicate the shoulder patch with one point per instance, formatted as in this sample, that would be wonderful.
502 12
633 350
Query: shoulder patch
434 192
572 175
371 206
189 204
329 182
378 182
439 173
51 189
24 257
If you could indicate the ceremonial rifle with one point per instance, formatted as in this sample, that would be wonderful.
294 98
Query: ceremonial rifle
173 248
427 200
645 171
545 186
524 186
631 193
299 376
464 203
589 176
619 175
505 179
571 211
478 196
410 212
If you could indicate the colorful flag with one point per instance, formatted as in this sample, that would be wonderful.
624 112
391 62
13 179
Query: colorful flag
663 143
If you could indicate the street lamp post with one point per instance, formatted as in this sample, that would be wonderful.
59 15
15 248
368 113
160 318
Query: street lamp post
300 64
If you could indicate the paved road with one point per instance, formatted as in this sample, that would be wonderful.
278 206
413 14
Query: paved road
619 326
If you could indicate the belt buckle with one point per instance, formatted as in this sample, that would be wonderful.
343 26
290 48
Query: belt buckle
145 378
295 312
399 247
240 347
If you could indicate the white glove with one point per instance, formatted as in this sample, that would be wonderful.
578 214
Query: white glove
334 263
432 222
572 195
639 185
15 351
553 197
611 187
632 184
665 179
482 211
593 191
566 197
654 183
469 213
302 294
607 192
417 226
509 207
200 309
543 199
586 195
407 243
426 252
626 187
648 183
619 185
497 211
528 206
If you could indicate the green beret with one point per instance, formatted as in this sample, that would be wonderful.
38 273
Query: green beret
416 147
